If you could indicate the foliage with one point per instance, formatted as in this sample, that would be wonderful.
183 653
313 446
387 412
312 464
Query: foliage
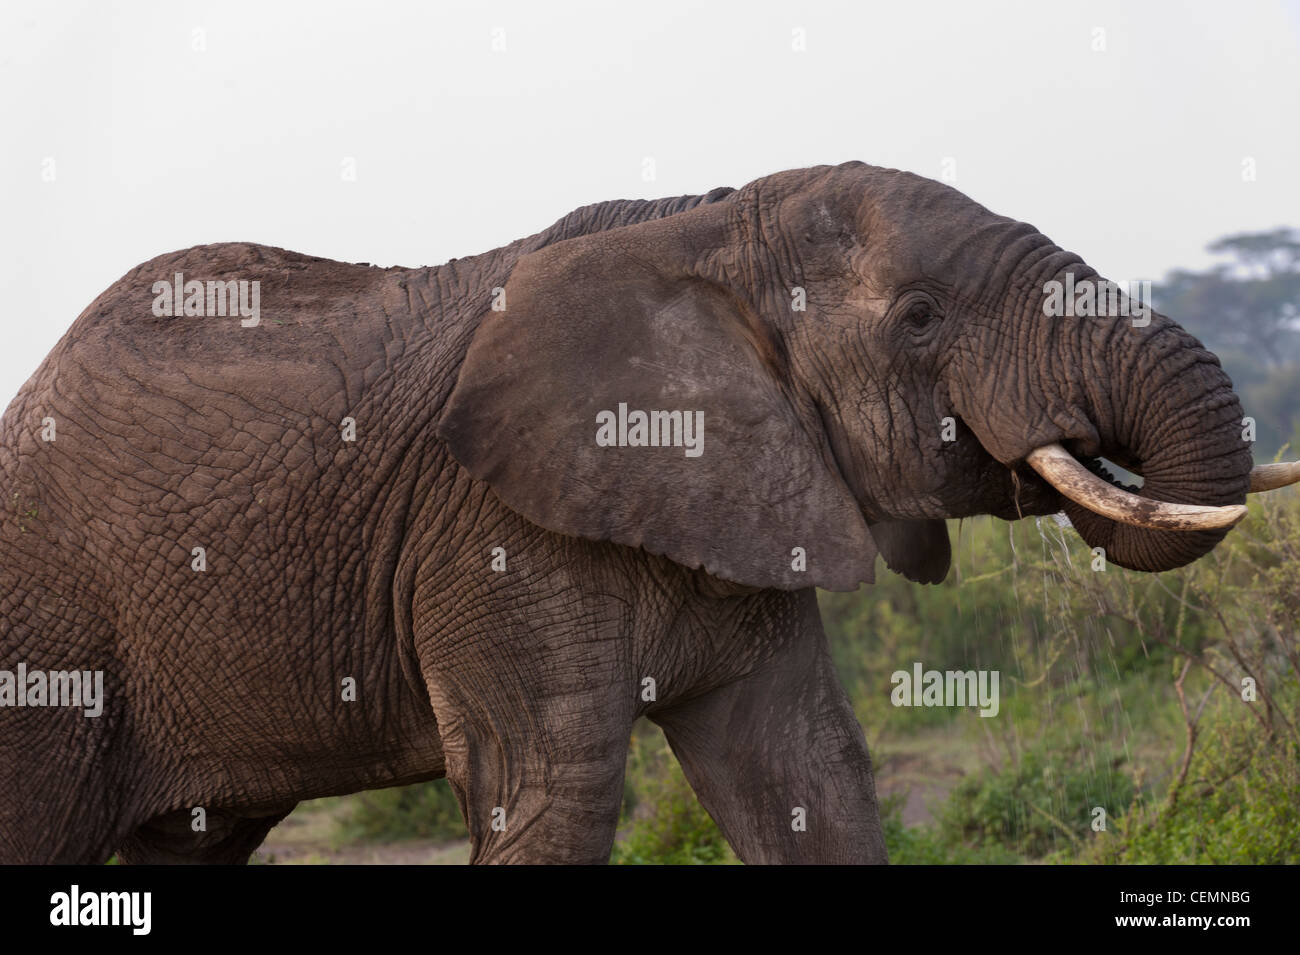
926 845
1041 803
1242 806
664 822
1121 690
421 811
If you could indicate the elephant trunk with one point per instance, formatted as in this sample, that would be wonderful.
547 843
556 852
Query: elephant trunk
1067 389
1171 416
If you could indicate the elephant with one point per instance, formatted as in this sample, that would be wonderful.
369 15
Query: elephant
472 521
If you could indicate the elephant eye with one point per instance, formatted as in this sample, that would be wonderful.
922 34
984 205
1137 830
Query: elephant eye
920 316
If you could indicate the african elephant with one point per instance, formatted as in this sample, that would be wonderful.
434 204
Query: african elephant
474 520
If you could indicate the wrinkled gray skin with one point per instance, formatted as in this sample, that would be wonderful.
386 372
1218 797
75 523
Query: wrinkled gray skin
476 430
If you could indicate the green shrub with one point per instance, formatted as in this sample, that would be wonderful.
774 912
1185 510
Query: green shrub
422 811
927 845
665 823
1239 805
1042 803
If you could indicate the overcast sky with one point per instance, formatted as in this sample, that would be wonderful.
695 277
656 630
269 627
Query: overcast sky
1122 130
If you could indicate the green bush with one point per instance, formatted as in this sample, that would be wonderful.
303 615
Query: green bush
927 845
422 811
1239 805
665 823
1040 804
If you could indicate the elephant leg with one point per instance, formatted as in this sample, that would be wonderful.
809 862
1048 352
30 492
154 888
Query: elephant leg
538 774
778 758
60 799
170 839
534 720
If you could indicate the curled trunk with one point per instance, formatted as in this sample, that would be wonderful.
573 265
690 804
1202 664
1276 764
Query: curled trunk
1175 420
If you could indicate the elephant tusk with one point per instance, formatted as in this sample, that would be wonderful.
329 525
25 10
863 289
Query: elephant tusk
1060 469
1270 477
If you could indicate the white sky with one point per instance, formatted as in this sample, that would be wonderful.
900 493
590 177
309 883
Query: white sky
1131 157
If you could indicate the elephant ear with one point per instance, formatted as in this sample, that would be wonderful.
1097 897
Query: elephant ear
601 326
919 550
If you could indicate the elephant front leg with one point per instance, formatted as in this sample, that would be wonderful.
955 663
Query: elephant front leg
778 758
535 751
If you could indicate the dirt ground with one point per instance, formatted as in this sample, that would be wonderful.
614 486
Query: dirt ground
309 837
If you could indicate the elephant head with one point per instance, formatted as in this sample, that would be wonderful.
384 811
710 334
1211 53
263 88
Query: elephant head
866 353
